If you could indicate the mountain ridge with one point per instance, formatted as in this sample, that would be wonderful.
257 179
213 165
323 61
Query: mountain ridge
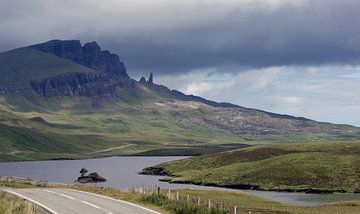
106 66
65 84
91 56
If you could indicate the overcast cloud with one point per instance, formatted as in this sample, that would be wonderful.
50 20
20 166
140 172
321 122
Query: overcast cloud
250 52
175 36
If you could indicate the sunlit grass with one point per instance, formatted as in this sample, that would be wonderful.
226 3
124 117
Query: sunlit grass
323 166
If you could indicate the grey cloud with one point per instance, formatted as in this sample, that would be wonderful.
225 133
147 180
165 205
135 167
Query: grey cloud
177 36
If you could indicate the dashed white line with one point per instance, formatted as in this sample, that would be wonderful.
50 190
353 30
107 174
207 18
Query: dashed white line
49 191
66 196
90 204
31 200
113 199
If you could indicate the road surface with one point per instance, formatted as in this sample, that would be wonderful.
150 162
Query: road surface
67 201
110 149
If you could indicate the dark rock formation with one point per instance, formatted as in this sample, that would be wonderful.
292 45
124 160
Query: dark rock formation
111 71
142 80
103 60
93 177
69 49
82 84
89 55
150 80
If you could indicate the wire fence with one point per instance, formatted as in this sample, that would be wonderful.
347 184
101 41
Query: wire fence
181 196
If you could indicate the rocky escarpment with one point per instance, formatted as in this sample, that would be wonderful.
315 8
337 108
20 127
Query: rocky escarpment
82 84
109 71
89 55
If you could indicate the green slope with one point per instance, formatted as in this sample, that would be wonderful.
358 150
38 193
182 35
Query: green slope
20 66
26 144
323 166
79 131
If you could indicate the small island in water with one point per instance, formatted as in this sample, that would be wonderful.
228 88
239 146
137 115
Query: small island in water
92 177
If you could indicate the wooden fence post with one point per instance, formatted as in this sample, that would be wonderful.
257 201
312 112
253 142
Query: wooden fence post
198 201
169 196
235 210
177 195
209 204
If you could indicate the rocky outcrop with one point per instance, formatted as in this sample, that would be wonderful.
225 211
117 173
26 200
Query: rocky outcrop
82 84
142 80
111 72
93 177
89 55
150 80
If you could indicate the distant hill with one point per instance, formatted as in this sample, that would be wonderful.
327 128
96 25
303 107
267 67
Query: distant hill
65 94
313 168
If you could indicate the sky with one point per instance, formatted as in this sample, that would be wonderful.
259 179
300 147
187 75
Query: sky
297 57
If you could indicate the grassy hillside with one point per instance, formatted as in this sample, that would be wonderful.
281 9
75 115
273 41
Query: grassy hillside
20 66
302 167
81 127
48 131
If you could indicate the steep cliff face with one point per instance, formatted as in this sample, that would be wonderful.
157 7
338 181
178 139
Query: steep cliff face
89 55
108 71
70 84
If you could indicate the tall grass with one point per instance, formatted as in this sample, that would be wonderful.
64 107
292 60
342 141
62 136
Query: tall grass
179 207
16 206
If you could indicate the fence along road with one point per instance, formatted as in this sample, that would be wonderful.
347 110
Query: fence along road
67 201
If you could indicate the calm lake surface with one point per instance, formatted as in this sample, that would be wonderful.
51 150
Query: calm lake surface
122 172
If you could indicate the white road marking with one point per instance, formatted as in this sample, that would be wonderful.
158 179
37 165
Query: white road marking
31 200
90 204
66 196
103 196
49 191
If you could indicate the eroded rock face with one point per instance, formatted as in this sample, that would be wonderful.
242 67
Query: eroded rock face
89 55
69 49
111 72
151 79
142 80
82 84
104 61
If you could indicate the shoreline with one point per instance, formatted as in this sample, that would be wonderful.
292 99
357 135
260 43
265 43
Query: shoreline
258 187
93 158
160 171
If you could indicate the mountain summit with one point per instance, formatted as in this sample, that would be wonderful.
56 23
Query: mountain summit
89 55
62 68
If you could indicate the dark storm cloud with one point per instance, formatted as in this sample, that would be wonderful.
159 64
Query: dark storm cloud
177 36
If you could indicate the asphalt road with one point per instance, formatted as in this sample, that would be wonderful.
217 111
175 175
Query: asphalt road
67 201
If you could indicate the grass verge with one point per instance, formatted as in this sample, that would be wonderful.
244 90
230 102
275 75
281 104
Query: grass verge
10 205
